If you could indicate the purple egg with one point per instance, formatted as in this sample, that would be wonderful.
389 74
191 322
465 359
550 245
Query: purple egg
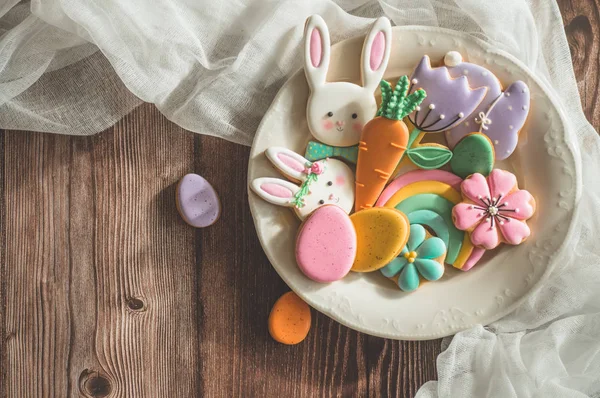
197 201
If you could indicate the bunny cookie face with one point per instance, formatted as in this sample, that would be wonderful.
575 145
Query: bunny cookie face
336 112
326 182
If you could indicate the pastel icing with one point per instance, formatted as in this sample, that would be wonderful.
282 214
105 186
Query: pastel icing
291 162
443 207
336 111
494 210
377 51
478 76
381 234
435 187
421 257
197 201
473 258
315 48
474 153
449 101
325 182
506 118
380 150
277 190
500 115
290 319
432 220
415 176
465 253
429 156
317 151
326 245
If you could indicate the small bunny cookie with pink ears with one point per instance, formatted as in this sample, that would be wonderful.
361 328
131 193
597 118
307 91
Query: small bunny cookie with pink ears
336 112
326 182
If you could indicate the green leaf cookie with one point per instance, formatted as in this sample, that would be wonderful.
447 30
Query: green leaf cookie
429 156
473 154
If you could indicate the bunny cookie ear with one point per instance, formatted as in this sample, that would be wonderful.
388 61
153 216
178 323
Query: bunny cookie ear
316 51
376 53
288 162
274 190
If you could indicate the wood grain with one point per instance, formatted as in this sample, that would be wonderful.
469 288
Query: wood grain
105 291
582 26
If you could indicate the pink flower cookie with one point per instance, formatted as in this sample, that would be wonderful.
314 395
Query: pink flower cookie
494 210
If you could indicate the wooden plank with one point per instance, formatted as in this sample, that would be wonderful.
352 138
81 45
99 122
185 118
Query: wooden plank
146 339
238 289
3 296
99 284
105 291
582 26
36 275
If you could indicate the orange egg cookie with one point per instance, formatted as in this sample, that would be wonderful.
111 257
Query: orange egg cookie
289 321
381 234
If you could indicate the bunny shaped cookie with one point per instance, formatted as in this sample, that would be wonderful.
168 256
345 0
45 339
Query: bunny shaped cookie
336 112
326 182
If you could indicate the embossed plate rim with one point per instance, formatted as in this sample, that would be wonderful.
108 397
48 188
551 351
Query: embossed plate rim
339 307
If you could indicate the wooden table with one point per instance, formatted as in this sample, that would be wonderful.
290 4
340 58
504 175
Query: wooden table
104 291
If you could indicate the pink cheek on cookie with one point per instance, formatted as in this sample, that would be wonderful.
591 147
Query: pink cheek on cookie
340 180
357 127
327 124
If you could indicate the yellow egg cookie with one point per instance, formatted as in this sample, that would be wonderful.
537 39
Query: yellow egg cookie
381 234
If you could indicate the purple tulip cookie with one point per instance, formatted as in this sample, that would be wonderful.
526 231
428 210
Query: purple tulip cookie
197 201
449 100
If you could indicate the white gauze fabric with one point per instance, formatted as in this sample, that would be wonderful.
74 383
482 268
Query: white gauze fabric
213 67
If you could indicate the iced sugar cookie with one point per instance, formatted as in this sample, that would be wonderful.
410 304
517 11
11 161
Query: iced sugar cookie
422 257
289 321
473 259
500 115
424 194
381 234
449 100
478 76
494 210
326 182
474 153
505 119
197 201
383 142
326 245
416 176
336 112
317 151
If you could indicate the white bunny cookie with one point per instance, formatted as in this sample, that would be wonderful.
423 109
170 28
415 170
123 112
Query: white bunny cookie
336 112
326 182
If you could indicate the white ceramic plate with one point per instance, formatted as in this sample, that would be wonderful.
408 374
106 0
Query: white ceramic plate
544 163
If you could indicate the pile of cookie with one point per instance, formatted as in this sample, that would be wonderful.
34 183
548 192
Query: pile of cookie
361 209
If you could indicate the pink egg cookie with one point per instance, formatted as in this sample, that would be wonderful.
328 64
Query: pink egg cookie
197 201
326 245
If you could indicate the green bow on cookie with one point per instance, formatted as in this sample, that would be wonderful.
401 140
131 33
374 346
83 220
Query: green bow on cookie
317 151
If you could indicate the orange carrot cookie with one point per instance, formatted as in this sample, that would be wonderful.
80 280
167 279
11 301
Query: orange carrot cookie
383 142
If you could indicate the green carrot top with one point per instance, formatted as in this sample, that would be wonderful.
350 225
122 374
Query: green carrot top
396 104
